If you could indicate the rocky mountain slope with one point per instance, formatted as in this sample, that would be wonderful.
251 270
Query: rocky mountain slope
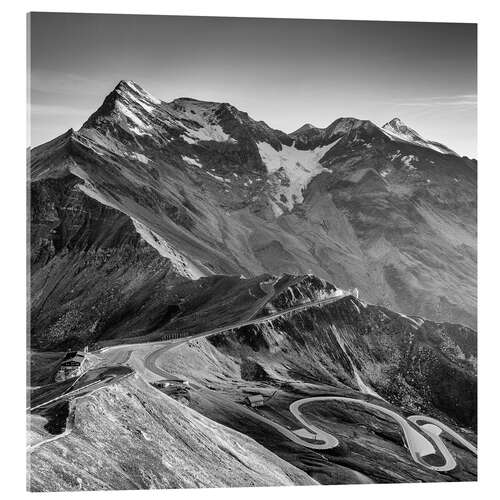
351 349
178 448
164 220
165 192
415 364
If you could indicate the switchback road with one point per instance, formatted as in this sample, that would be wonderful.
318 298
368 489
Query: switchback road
421 433
421 440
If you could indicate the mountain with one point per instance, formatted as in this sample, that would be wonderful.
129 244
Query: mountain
401 131
346 349
201 188
209 259
205 449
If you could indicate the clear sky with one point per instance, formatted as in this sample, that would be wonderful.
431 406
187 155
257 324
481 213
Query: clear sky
285 72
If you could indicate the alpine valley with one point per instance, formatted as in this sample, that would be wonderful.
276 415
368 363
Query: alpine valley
218 303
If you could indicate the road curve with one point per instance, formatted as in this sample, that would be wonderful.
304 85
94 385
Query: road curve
421 443
271 317
105 380
454 436
421 433
322 440
150 360
251 320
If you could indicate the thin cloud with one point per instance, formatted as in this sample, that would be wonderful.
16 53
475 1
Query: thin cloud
449 101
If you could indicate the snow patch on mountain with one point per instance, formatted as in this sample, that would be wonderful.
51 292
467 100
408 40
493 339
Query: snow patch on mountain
140 157
140 127
207 132
182 265
141 103
143 93
418 142
399 131
291 170
198 120
408 159
192 161
218 177
132 94
397 127
277 211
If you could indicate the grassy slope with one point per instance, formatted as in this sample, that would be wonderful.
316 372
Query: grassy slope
178 448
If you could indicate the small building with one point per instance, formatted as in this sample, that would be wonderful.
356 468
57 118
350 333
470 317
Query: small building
76 360
70 365
170 382
255 400
161 384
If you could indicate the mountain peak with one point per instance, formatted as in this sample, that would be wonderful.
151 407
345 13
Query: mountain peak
397 126
128 85
396 122
131 88
125 84
345 125
398 130
304 128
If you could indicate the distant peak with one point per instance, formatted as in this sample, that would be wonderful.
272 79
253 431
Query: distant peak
127 84
396 125
346 124
307 126
187 99
397 129
396 122
304 128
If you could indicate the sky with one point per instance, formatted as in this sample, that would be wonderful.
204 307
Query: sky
283 71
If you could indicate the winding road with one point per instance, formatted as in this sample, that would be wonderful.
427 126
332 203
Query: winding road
116 353
99 378
434 426
421 439
422 434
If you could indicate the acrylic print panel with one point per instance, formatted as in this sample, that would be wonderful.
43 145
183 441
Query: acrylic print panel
252 252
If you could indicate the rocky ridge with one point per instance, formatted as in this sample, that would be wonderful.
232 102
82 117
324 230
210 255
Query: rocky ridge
216 192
